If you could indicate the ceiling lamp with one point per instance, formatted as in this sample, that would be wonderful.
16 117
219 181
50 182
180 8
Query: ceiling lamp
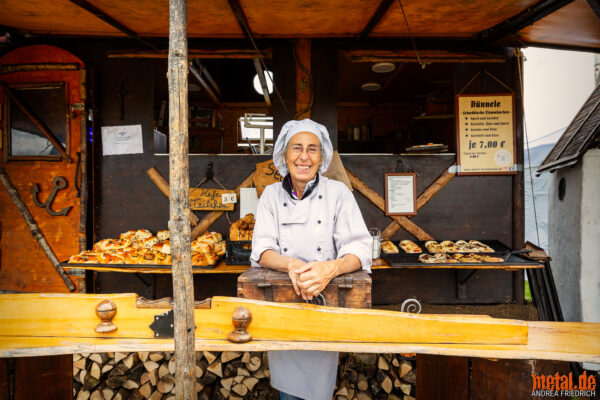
370 86
383 67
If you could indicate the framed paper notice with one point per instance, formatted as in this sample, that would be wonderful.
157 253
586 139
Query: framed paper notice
485 127
400 194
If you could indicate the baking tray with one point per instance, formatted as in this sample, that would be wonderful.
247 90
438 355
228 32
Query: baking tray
412 260
134 266
497 245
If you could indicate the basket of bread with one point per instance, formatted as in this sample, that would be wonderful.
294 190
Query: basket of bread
142 247
239 245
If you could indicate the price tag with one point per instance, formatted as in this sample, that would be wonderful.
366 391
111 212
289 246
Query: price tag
228 198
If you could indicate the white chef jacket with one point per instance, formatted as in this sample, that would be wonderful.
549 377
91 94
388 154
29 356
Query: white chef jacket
325 225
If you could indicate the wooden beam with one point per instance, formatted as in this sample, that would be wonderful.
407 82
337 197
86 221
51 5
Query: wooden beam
379 202
196 74
111 21
194 53
595 5
35 229
522 20
423 199
304 81
38 122
179 223
376 17
263 81
208 76
238 12
161 183
213 216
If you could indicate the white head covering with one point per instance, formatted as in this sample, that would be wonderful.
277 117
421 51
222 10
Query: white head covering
292 127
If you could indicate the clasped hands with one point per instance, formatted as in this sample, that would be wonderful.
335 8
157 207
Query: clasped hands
310 278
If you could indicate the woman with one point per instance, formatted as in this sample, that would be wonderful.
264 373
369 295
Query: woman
311 228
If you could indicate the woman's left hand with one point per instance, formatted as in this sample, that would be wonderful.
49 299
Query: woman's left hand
316 276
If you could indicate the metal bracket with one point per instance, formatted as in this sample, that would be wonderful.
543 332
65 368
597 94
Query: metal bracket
163 325
319 300
412 306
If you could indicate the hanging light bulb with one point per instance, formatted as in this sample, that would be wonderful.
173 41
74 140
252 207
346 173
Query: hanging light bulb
269 79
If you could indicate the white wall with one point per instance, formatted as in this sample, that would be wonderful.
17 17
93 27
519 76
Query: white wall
564 238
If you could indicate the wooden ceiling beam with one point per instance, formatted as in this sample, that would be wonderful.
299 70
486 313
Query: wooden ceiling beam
110 20
238 12
198 75
522 20
595 5
376 17
193 53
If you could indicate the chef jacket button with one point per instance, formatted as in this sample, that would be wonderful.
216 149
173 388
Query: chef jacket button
285 249
285 204
320 196
319 221
318 249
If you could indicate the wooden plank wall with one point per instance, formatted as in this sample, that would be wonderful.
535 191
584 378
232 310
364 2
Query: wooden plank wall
48 378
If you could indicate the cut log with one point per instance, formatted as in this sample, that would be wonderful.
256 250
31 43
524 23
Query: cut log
395 362
199 371
130 384
363 396
409 398
122 394
374 386
76 356
246 357
216 368
172 366
156 396
107 367
146 389
405 368
135 395
224 392
89 382
166 384
153 375
115 382
410 377
100 358
226 383
131 360
243 372
238 379
250 382
343 391
382 363
83 395
150 365
199 387
163 370
260 374
240 389
405 388
108 393
143 355
95 370
156 356
210 357
227 356
254 364
120 356
119 370
80 363
387 385
361 383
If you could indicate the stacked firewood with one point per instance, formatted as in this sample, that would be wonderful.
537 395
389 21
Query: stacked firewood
230 375
151 375
376 376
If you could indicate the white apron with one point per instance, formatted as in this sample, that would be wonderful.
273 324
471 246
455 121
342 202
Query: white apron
325 225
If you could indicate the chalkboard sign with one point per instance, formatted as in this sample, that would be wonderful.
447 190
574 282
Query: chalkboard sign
266 174
485 127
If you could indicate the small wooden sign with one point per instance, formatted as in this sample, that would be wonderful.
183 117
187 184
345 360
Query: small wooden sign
266 174
400 194
485 128
210 199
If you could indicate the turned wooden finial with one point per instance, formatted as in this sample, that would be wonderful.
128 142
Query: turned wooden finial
241 319
106 311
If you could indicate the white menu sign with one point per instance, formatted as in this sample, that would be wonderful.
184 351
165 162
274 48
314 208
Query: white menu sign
400 194
124 139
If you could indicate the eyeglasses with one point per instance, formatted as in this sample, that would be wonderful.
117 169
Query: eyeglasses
311 150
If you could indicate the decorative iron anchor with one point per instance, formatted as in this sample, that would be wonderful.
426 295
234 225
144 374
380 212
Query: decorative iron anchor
58 183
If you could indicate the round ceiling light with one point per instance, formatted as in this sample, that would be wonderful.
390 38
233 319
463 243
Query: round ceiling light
383 67
370 86
269 79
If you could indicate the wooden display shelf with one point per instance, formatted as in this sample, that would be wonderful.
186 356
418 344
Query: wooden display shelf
223 268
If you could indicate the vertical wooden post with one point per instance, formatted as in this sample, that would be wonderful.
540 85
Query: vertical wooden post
303 79
179 222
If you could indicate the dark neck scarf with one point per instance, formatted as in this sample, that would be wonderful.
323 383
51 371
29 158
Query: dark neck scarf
287 186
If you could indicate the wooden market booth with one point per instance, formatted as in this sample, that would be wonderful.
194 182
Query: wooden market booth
110 60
